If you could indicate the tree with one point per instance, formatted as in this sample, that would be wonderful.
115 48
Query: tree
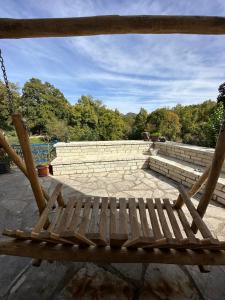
91 120
129 120
221 96
170 125
154 120
194 120
140 123
40 102
5 119
57 130
213 127
111 125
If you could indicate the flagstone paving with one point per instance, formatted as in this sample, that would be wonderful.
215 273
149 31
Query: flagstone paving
20 280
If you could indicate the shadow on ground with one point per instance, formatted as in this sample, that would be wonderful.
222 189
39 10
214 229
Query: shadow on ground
59 280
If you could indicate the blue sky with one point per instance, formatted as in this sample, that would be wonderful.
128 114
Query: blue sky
124 71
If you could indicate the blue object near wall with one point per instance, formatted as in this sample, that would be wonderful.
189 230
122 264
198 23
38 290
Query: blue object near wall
42 153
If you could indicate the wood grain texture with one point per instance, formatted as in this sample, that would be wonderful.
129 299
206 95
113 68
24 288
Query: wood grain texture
28 158
114 24
173 220
44 216
154 220
197 220
195 188
109 255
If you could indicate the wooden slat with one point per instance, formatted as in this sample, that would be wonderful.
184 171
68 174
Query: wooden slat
53 236
85 218
60 200
123 220
137 239
186 226
26 235
75 218
54 220
94 221
192 241
173 221
154 221
196 217
114 239
94 233
164 225
44 216
64 219
134 224
13 234
98 25
57 225
72 233
146 231
104 219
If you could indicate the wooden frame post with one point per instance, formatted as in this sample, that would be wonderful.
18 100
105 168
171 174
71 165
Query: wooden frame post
195 188
30 167
217 164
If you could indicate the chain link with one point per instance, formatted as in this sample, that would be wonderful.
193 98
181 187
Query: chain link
9 93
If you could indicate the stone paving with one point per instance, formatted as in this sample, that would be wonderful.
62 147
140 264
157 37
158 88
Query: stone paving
20 280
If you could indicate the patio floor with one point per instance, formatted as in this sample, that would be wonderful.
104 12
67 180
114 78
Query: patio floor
20 280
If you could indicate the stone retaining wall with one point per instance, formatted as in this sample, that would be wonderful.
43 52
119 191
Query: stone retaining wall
102 156
186 174
198 155
101 148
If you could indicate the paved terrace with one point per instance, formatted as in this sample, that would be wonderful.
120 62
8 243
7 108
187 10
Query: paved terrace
20 280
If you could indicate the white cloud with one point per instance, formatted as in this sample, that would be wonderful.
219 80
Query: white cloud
126 71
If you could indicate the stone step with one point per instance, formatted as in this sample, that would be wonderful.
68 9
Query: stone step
200 156
185 173
96 164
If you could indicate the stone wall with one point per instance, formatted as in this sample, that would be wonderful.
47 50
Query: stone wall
182 163
194 154
102 156
185 164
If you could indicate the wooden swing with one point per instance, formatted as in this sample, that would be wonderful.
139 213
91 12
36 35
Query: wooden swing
103 229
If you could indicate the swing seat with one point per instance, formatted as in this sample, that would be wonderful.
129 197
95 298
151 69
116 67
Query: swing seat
130 223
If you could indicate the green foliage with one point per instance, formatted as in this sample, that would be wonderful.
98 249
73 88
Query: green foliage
170 126
212 128
156 134
5 120
129 120
40 102
91 120
155 118
140 124
221 96
50 116
56 130
194 120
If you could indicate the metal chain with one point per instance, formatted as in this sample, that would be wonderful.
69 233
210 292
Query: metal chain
9 93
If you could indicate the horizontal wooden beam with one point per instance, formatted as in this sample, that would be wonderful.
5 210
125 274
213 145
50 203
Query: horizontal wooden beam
97 25
108 255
